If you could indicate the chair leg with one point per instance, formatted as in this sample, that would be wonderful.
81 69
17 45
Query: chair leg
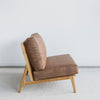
23 80
73 83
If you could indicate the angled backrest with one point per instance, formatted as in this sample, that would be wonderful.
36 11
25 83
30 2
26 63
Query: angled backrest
36 52
27 62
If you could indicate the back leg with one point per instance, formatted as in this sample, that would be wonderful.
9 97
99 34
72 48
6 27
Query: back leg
23 79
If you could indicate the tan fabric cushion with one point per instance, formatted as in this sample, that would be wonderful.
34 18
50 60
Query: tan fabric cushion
36 51
57 66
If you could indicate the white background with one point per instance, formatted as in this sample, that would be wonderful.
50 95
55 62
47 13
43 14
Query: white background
67 26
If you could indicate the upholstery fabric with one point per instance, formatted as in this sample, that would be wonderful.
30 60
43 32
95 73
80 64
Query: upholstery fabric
36 52
57 66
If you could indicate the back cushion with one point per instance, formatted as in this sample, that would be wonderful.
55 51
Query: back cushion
36 51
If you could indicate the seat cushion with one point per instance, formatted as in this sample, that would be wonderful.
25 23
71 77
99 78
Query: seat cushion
36 52
57 66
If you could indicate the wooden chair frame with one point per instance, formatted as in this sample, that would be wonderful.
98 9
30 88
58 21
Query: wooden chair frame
28 71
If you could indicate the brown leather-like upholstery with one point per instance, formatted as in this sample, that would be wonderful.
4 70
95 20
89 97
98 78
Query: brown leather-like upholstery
57 66
36 52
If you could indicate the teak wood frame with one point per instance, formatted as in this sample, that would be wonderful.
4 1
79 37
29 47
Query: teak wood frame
28 71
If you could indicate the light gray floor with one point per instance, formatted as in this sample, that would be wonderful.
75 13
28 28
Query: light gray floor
87 85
